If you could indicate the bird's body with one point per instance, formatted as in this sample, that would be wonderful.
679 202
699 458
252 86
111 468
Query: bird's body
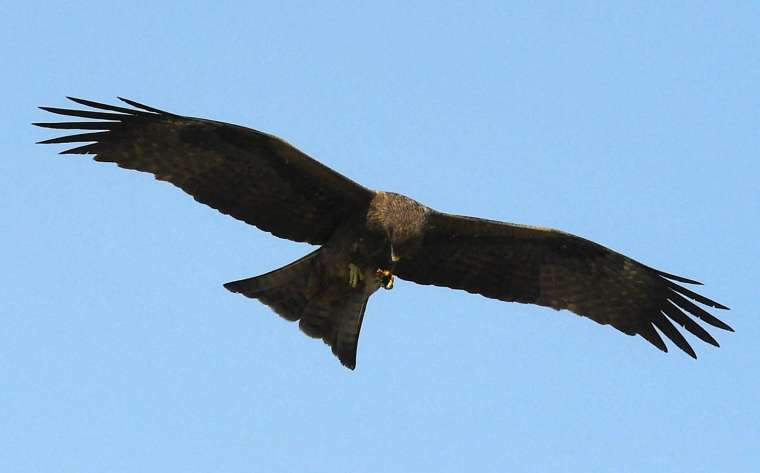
366 237
335 282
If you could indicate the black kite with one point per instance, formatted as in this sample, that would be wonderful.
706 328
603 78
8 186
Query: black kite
366 237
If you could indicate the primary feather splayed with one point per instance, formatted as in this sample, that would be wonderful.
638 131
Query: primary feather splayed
367 237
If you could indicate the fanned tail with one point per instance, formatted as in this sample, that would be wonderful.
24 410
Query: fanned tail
333 314
284 289
337 321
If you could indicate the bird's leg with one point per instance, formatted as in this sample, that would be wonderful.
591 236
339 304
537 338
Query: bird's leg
354 275
385 277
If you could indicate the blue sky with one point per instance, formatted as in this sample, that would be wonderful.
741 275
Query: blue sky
635 125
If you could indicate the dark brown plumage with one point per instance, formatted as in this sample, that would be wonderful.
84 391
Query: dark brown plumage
367 236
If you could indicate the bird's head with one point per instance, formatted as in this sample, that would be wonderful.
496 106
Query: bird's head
401 220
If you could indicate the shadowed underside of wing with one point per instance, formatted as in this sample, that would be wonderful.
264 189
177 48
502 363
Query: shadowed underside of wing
250 175
562 271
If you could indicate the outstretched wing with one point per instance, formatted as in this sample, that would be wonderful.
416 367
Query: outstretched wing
252 176
555 269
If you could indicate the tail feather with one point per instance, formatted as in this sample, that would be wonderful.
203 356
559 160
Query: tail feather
284 289
337 321
347 331
334 314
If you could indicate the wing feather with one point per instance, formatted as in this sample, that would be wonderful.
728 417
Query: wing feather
666 327
250 175
672 311
555 269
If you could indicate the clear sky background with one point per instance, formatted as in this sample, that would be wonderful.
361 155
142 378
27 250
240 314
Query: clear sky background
636 125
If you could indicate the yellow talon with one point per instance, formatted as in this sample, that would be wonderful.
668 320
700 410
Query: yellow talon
386 278
354 275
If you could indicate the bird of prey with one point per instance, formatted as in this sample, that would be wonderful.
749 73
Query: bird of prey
367 237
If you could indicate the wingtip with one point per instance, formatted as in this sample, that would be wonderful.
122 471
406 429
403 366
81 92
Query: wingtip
681 279
49 141
691 353
142 106
85 102
133 103
715 322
